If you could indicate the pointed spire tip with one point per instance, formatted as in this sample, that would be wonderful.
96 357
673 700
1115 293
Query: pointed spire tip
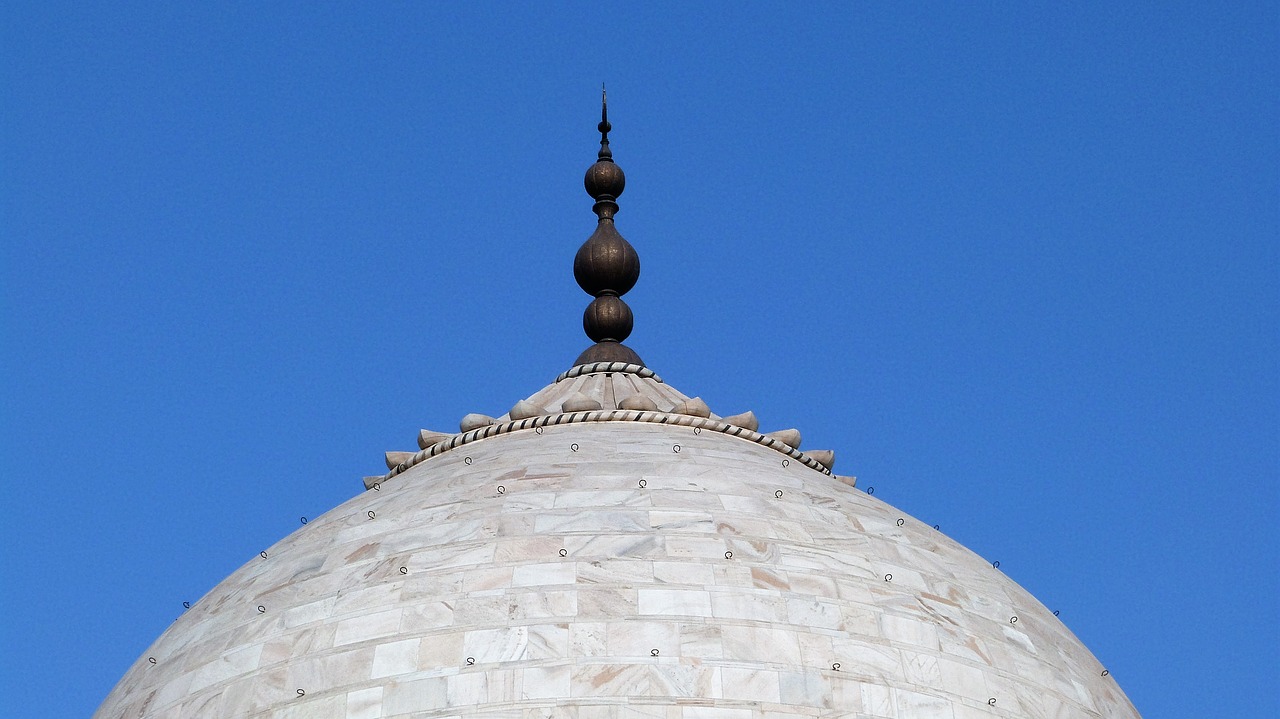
604 126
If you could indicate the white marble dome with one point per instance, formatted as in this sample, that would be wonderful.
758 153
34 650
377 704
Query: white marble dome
616 564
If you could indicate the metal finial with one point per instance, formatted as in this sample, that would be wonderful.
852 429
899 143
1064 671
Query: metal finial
604 126
606 265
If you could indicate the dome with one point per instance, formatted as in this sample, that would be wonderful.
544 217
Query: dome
610 548
649 564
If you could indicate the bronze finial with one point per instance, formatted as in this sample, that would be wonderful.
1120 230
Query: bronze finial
606 266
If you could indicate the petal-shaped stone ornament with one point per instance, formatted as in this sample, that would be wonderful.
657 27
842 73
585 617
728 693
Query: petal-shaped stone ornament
426 438
524 409
694 407
475 421
395 459
746 420
579 402
825 457
638 402
789 437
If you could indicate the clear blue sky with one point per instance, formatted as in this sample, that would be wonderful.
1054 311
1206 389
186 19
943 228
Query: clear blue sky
1017 265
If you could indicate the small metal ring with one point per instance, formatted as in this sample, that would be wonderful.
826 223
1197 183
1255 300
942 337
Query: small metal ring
466 460
304 520
778 494
786 463
697 430
835 666
675 448
537 430
262 609
471 661
888 577
995 564
262 554
1105 672
151 660
573 447
564 552
728 555
871 490
992 701
186 605
936 527
370 514
301 693
1013 620
377 486
653 652
1055 612
502 489
901 521
643 484
404 570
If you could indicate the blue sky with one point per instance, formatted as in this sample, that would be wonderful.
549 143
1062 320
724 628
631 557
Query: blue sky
1016 264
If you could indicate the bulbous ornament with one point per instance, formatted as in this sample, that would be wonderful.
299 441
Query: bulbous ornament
606 263
607 318
604 180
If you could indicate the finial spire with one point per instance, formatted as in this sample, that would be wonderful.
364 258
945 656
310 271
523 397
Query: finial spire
606 265
605 153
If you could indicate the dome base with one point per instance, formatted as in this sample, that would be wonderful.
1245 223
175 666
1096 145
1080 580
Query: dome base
609 351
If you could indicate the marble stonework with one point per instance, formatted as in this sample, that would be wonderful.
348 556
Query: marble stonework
516 578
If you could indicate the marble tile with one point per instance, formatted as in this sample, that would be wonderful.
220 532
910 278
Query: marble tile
364 703
525 642
536 575
805 688
612 679
814 612
420 695
680 680
675 602
755 685
467 689
329 671
909 631
605 602
687 573
364 627
700 641
754 605
630 639
682 521
761 644
546 682
441 650
395 658
615 570
426 616
588 639
919 705
877 699
227 666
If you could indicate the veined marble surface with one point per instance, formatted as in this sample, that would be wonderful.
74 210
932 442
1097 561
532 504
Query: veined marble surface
616 571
